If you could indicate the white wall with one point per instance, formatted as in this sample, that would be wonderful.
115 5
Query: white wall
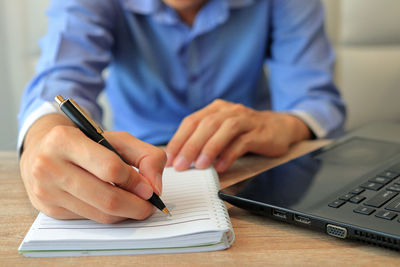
366 36
7 126
21 22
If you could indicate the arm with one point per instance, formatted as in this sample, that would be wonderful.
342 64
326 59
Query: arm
303 98
66 175
75 50
300 67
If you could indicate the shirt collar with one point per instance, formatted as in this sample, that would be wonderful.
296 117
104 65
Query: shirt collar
147 7
214 13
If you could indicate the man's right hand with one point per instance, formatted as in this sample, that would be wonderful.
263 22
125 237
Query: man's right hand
67 175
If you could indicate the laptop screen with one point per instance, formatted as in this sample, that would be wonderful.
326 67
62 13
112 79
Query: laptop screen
306 182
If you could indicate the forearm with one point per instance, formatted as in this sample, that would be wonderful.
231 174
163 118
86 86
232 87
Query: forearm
75 51
300 68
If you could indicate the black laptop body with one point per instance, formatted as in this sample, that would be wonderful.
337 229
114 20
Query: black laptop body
349 189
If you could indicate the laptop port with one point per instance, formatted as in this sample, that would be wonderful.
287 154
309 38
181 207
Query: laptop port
336 231
279 213
302 219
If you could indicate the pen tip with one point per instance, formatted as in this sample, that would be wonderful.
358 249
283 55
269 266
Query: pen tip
166 211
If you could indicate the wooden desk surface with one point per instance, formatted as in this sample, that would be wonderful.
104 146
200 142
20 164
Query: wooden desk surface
259 240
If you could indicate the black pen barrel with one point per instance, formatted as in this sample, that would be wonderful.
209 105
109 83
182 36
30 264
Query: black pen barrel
105 143
80 120
157 202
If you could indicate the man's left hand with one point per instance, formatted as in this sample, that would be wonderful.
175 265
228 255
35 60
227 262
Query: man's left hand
223 131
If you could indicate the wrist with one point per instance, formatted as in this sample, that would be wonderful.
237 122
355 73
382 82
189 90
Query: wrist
298 128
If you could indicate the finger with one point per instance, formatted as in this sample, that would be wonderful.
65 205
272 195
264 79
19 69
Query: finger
60 213
102 196
76 209
192 147
51 199
96 159
236 149
186 129
149 159
46 200
80 210
64 206
229 130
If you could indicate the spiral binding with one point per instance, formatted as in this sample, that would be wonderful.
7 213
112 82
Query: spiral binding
219 209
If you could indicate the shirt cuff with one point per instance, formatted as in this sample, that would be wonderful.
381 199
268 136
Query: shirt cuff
44 109
312 123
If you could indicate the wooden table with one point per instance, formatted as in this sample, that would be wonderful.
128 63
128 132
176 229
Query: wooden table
259 241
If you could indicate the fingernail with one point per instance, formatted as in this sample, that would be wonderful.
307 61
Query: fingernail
202 162
169 160
181 163
143 190
158 184
220 166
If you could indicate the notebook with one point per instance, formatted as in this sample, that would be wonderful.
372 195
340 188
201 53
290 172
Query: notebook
199 222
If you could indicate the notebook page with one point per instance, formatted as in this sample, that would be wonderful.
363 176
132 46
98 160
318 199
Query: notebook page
190 196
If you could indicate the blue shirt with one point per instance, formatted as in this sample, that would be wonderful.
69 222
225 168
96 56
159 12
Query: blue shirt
160 70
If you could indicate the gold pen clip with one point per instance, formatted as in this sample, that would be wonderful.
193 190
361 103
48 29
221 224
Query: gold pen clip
60 100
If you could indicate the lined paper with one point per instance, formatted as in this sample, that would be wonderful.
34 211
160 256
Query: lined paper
198 217
185 195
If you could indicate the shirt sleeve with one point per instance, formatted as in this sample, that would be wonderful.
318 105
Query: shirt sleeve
75 51
300 63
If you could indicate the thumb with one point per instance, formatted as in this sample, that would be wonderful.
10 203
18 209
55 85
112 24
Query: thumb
138 185
148 159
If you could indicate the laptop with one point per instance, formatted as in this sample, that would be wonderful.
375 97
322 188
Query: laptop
348 189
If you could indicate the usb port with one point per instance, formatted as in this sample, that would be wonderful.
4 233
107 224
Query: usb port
302 219
279 213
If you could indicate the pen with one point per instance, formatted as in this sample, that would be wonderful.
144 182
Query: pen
94 132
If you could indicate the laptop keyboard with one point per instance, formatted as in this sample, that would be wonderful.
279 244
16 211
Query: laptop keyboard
384 204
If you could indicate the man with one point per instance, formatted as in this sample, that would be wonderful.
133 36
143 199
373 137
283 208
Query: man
184 72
